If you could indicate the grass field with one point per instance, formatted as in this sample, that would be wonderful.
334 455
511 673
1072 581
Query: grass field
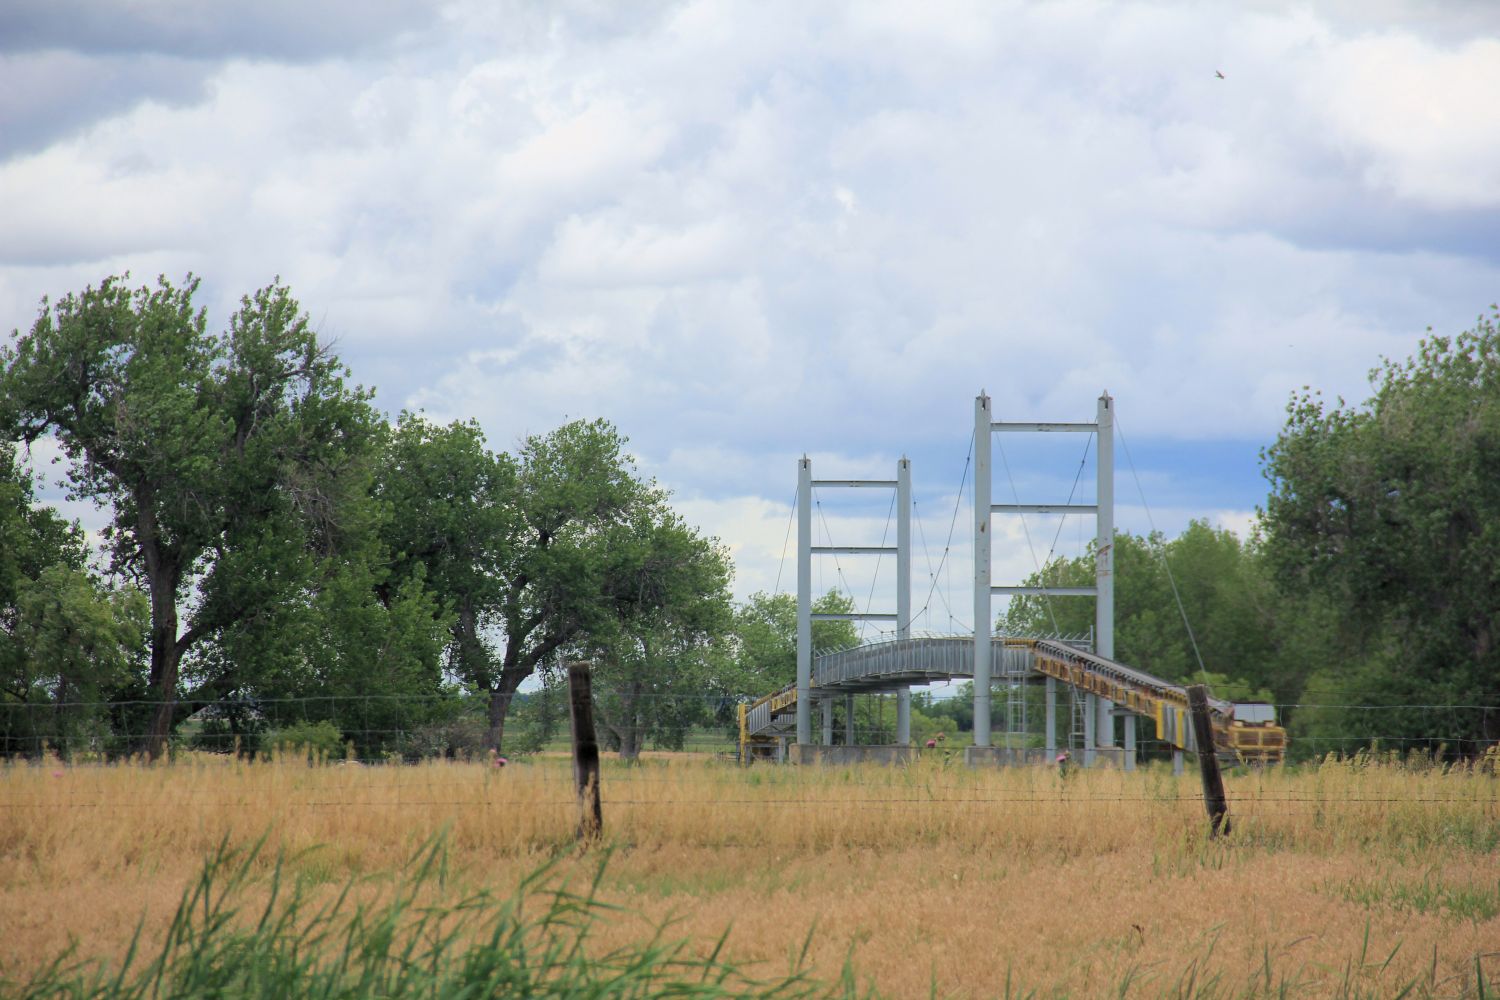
1354 878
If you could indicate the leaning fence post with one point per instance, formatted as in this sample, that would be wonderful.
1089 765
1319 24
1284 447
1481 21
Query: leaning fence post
1208 762
585 753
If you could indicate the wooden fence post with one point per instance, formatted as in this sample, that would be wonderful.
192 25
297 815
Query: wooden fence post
585 753
1208 762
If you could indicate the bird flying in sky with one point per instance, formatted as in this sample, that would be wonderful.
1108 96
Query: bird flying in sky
1218 74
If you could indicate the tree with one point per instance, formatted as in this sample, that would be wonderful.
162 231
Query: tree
81 641
454 518
32 538
223 458
658 668
1390 512
1245 631
556 505
66 641
766 637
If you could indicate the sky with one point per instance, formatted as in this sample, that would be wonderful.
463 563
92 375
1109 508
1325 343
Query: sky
744 232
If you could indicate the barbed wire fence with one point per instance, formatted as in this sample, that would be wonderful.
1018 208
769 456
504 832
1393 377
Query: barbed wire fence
380 728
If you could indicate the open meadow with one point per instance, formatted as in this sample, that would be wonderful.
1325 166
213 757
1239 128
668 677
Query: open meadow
1360 877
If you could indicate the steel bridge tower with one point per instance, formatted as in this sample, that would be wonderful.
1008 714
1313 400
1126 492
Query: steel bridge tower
1099 713
805 617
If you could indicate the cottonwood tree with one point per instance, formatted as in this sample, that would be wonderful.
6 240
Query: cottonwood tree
66 640
572 487
765 629
1390 512
661 661
1249 636
453 519
33 537
222 457
517 546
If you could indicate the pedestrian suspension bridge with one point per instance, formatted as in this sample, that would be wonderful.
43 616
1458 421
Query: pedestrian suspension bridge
1105 700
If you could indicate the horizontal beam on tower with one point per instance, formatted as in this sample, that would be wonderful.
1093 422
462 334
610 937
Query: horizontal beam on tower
1069 428
853 616
853 550
858 484
1045 508
1049 591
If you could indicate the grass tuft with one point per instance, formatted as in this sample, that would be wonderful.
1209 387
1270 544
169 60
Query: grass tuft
419 942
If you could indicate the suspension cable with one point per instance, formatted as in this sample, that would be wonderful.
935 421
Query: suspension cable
1078 477
884 534
838 567
790 517
932 574
952 524
1016 496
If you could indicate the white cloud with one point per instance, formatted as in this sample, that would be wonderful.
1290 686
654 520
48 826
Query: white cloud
744 231
1423 115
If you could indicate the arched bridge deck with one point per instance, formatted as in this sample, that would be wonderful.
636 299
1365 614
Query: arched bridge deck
896 663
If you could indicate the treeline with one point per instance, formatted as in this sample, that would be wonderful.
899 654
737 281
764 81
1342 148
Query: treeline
281 556
1367 601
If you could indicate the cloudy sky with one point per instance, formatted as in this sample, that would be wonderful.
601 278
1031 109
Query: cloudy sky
744 231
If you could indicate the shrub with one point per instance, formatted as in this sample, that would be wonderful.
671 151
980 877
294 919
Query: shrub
317 740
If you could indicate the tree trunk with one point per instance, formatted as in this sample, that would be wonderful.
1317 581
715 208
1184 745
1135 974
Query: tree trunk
630 723
165 657
499 708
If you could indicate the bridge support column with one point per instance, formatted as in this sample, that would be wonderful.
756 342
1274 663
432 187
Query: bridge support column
1130 726
827 704
1104 731
983 623
804 600
1104 564
1090 723
1051 718
903 592
848 720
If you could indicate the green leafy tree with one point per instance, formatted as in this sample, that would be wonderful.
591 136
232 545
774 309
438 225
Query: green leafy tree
765 630
657 670
355 640
1390 512
1247 633
454 517
223 458
82 643
66 641
32 538
569 490
531 553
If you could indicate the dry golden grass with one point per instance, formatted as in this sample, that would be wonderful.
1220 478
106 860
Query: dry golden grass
1357 876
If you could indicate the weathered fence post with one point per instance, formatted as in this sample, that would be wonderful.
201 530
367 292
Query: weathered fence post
1208 762
585 753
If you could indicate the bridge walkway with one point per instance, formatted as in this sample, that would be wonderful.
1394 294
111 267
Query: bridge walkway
896 663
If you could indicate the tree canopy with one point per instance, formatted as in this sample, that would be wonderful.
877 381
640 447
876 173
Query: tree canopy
280 556
227 461
1390 513
1243 630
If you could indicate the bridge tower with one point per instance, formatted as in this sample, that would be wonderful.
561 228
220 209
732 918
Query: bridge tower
1099 713
805 617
